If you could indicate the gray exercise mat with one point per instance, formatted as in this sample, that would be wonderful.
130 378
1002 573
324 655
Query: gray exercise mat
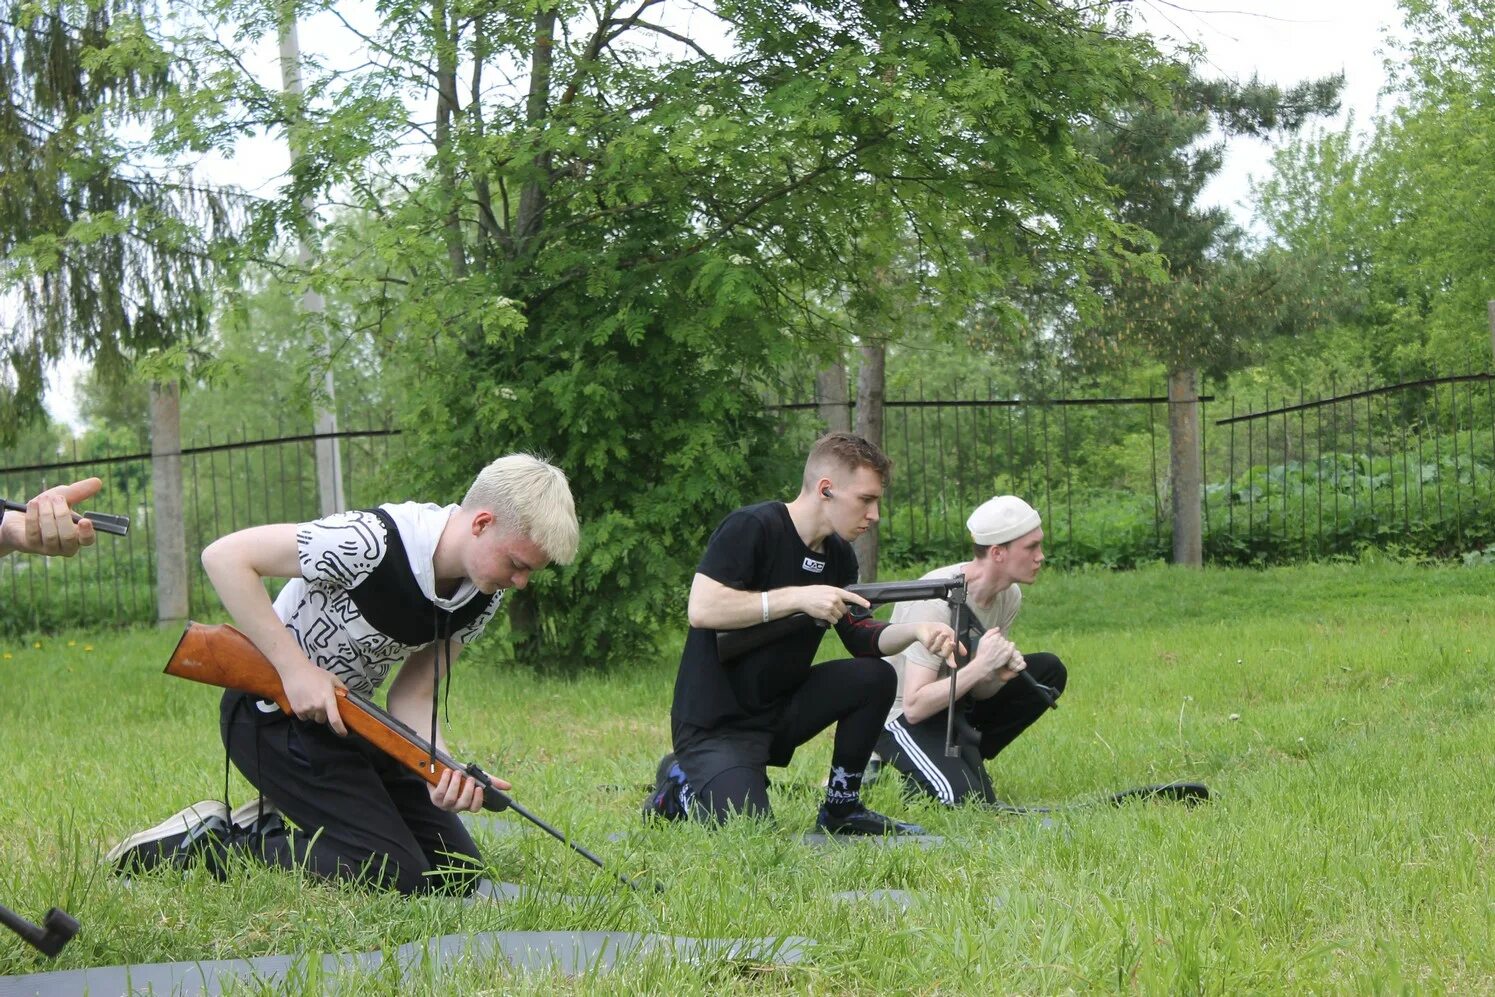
493 824
568 952
823 840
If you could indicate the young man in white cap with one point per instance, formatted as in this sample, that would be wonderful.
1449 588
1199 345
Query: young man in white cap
992 708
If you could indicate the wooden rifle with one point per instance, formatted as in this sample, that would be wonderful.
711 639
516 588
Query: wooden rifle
222 656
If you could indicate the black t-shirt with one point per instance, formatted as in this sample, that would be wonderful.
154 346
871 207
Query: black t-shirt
756 549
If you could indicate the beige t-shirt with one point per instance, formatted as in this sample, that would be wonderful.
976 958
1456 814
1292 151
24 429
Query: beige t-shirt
999 615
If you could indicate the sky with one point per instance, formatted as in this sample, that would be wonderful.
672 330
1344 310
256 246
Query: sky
1282 41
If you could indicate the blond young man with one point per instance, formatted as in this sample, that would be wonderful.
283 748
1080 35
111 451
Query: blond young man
992 709
396 589
731 720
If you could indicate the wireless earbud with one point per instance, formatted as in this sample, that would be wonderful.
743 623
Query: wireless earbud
826 492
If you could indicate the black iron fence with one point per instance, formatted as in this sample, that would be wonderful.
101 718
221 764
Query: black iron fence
1095 468
226 485
1408 465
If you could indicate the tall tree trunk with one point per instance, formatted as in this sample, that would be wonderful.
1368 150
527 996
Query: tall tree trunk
524 608
446 110
1185 466
871 389
323 394
536 108
168 525
1491 306
832 399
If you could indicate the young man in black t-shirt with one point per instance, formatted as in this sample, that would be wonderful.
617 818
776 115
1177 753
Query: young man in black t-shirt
731 720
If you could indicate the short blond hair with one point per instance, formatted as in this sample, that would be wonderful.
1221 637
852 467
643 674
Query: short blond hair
530 496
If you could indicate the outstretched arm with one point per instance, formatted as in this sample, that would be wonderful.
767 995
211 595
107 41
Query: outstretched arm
714 606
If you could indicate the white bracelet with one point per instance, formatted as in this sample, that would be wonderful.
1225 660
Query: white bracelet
765 606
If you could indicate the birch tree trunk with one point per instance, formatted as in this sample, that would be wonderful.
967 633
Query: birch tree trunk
1185 466
324 397
169 524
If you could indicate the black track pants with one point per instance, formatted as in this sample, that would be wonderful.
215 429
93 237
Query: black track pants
361 814
983 728
852 693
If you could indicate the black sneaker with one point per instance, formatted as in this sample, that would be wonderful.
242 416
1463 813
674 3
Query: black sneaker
862 821
669 780
193 832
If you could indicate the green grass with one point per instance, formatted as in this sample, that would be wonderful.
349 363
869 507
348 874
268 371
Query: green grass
1342 713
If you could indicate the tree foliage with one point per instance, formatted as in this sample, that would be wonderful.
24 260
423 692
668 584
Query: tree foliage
621 223
100 255
1406 218
1215 300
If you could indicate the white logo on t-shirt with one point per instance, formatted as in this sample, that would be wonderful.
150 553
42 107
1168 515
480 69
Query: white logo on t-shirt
813 565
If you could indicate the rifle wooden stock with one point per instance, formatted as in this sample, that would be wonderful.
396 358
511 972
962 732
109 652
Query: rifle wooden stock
733 644
220 655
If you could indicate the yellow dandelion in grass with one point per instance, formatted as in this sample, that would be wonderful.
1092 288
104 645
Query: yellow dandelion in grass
36 644
7 656
72 643
88 647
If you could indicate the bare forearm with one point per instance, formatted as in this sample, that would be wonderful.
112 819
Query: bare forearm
714 606
414 711
933 696
412 690
897 636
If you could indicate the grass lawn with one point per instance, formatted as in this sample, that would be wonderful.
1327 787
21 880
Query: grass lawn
1343 714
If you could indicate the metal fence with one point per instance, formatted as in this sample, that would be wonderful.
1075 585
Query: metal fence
1410 464
226 485
1286 478
1064 455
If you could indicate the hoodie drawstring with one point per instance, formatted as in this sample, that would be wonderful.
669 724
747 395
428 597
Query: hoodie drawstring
441 648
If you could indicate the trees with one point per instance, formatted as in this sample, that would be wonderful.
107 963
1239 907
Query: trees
1405 218
102 256
1215 299
621 226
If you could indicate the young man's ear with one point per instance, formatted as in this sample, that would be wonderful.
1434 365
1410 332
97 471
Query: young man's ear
481 520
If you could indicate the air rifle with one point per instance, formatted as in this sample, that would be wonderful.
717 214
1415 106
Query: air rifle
733 644
224 657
